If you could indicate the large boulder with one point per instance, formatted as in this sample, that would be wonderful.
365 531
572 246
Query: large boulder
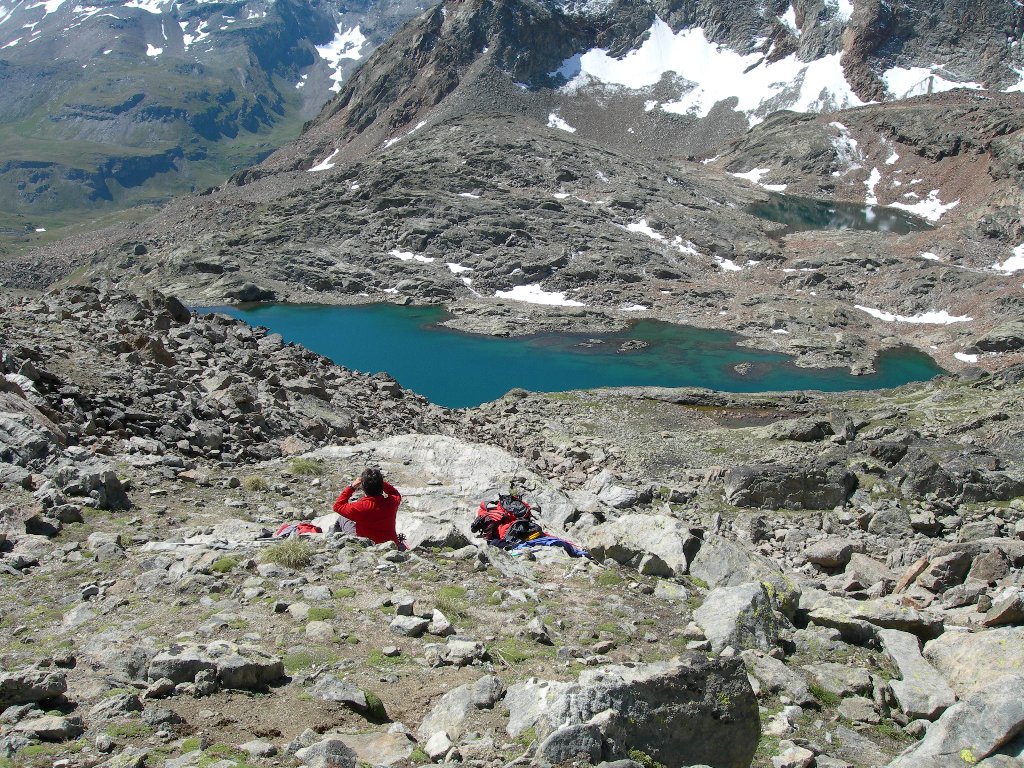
451 713
683 712
776 677
971 661
723 563
234 666
971 729
922 692
655 544
860 620
29 685
741 617
779 486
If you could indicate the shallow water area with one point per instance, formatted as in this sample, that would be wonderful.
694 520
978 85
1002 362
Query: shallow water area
458 370
805 213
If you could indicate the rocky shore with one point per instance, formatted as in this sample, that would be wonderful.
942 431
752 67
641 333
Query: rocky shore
790 579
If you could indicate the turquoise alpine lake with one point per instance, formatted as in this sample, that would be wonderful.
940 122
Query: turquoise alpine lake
459 370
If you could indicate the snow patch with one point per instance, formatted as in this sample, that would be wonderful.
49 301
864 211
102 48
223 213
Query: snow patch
14 42
871 198
325 164
965 358
926 318
727 265
153 51
931 208
634 307
347 44
534 294
1013 264
781 331
902 83
554 121
410 256
929 256
1018 88
848 154
560 195
643 228
457 268
470 195
149 6
40 229
712 73
788 20
754 176
844 10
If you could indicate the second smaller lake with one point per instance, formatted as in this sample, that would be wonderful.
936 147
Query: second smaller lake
805 213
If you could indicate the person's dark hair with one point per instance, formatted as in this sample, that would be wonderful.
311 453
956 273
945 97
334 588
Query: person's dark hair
373 482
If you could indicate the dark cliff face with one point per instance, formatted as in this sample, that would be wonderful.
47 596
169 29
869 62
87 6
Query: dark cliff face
454 48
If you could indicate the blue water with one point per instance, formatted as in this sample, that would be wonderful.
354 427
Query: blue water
458 369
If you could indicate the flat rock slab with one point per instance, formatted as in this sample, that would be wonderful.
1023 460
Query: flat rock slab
971 729
840 679
970 661
860 620
921 692
381 748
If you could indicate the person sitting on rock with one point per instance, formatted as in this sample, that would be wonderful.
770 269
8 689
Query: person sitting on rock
375 513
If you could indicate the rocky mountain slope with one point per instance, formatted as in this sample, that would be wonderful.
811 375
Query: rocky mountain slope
785 580
107 106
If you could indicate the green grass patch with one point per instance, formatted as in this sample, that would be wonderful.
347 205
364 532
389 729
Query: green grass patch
608 579
129 730
377 659
512 650
418 756
291 553
344 592
224 564
307 467
827 698
453 601
321 614
191 744
306 658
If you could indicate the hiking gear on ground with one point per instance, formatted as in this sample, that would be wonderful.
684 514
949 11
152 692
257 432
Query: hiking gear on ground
496 519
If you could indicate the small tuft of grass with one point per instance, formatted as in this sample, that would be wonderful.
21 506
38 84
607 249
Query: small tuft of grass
129 730
418 756
191 744
644 759
377 658
255 483
321 614
344 592
512 650
309 467
375 710
306 658
290 553
452 601
827 698
224 564
608 579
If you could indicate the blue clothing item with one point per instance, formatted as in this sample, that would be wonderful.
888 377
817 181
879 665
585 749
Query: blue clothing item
553 541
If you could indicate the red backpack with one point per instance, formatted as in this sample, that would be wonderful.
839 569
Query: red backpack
508 521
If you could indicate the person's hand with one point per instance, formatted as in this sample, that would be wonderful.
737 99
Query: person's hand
357 483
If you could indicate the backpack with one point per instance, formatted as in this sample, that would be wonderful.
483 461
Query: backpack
506 522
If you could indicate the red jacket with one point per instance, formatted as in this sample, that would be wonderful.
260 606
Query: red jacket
374 516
